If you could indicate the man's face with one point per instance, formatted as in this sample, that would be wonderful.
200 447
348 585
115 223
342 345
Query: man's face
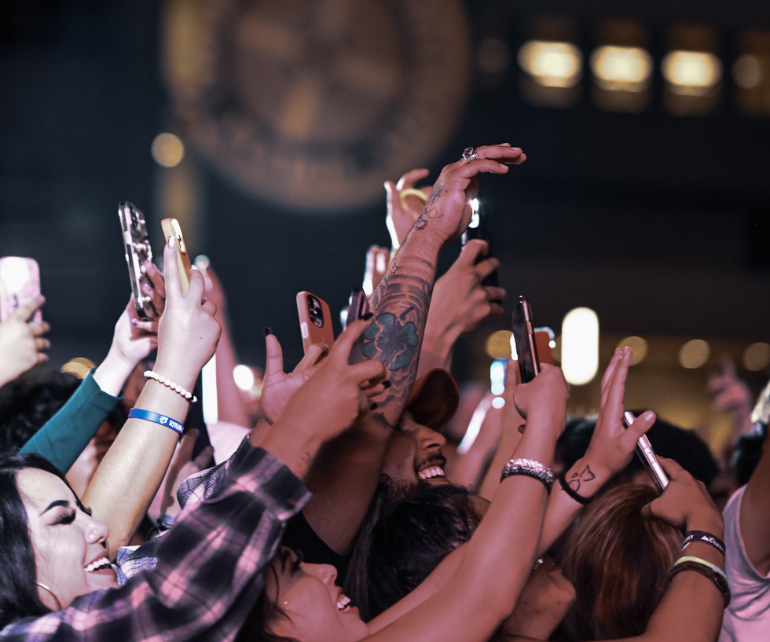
414 453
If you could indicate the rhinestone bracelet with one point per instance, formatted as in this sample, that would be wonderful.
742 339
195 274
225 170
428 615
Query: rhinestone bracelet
531 468
149 374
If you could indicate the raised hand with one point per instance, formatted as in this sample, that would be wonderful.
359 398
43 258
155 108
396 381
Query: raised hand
447 211
187 332
732 396
404 208
545 397
22 344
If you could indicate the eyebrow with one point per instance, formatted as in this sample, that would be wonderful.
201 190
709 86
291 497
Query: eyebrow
58 502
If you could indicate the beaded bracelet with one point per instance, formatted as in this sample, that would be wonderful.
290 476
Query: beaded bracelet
531 468
149 374
567 489
705 568
706 538
156 418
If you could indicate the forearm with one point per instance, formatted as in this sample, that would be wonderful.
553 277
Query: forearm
437 347
509 438
129 476
229 400
400 308
113 372
343 479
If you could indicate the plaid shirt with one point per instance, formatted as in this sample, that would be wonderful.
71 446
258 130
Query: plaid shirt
208 572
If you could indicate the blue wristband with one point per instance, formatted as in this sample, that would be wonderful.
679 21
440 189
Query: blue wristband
149 415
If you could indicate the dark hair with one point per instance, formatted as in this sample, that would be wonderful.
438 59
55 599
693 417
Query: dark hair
618 562
18 572
27 404
402 541
747 452
255 628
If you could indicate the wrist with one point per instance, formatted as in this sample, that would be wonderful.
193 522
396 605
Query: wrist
113 372
708 520
179 374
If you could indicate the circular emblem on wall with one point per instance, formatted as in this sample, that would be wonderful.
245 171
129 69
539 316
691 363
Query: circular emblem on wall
314 103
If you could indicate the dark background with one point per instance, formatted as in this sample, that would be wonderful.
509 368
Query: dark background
659 222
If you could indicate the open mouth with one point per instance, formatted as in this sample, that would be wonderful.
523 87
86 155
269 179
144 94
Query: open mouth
343 603
99 565
431 472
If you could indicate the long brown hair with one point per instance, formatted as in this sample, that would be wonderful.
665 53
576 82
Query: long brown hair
618 562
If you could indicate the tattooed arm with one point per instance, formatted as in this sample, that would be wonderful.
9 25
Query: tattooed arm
611 449
345 475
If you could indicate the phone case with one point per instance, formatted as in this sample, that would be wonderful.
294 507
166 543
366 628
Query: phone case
524 339
377 259
19 283
171 228
315 320
138 251
647 455
543 338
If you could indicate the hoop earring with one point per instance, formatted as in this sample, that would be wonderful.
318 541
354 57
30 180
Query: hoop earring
53 595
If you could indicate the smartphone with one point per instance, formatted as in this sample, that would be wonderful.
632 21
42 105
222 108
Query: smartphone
647 455
315 321
358 306
524 341
171 228
478 228
377 259
138 251
19 283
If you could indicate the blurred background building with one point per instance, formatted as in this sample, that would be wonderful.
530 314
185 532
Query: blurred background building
267 127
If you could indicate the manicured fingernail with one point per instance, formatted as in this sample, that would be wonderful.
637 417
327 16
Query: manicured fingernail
649 415
515 149
268 330
374 406
135 321
367 316
386 384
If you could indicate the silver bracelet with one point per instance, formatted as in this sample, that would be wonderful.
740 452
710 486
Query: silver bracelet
149 374
531 468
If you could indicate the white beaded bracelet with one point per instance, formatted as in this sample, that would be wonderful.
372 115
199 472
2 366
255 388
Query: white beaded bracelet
149 374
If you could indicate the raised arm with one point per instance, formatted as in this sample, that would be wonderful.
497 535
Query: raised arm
133 468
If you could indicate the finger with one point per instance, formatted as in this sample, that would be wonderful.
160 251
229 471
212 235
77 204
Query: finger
210 307
197 284
42 344
503 153
672 468
204 457
24 312
274 360
173 286
494 293
640 426
617 389
472 250
486 267
156 278
608 377
409 179
42 357
728 366
373 391
146 326
470 169
495 310
344 343
370 370
38 328
314 353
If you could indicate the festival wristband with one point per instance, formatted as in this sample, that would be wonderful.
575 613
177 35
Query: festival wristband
157 418
704 537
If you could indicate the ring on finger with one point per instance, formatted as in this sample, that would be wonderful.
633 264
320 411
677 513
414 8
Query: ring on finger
469 154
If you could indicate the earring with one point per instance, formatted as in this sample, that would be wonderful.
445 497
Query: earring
53 595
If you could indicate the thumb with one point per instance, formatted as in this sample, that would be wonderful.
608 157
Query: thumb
641 425
274 361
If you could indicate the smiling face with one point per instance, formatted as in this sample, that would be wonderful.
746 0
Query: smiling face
316 609
70 546
414 453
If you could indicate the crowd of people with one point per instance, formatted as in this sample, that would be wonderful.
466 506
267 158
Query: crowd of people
337 506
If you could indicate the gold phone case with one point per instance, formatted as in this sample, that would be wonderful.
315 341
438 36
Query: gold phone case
171 228
138 251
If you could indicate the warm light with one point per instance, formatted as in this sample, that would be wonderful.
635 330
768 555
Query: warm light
14 273
244 377
694 354
79 366
499 344
580 346
167 150
638 347
693 73
551 64
756 357
747 72
621 68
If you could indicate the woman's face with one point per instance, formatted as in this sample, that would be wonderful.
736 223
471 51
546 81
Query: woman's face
70 546
316 608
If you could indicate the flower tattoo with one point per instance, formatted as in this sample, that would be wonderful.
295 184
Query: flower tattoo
391 342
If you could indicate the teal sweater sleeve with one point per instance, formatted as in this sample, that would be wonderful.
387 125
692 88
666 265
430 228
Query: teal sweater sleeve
67 433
